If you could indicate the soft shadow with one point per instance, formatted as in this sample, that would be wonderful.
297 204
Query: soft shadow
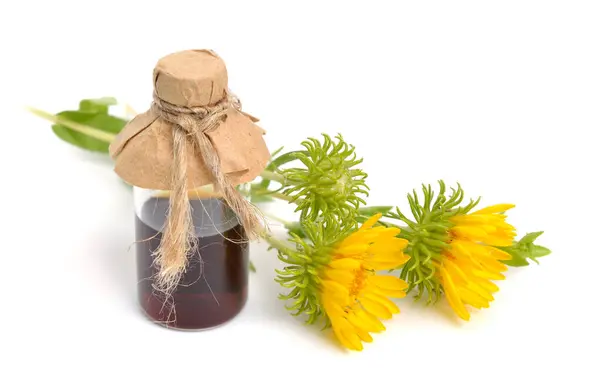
419 311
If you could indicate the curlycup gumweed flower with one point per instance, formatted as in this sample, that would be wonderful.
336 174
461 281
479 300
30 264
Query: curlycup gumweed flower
471 261
332 274
457 253
327 181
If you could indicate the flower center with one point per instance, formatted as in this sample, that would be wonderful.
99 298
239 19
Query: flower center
359 282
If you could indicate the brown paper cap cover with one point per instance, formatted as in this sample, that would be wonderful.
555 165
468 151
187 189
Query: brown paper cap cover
143 150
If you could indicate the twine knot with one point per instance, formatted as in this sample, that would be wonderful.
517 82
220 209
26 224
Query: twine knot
230 100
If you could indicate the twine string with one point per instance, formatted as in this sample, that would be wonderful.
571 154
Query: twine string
179 237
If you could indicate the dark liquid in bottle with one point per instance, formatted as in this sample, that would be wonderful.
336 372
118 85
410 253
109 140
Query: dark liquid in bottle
214 287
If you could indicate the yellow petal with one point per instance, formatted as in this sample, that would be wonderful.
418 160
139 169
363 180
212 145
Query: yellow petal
499 254
461 247
480 290
488 274
472 298
335 289
485 284
346 337
384 301
388 245
479 254
365 237
387 263
498 208
365 336
374 324
374 234
473 219
500 238
332 308
377 309
345 263
455 271
493 265
360 323
388 232
452 296
388 293
464 262
344 251
350 335
344 277
489 229
388 283
469 232
370 222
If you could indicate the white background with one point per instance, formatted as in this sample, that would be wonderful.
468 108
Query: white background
501 96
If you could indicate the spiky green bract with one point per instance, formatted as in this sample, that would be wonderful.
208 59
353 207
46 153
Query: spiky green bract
329 183
305 260
525 249
427 234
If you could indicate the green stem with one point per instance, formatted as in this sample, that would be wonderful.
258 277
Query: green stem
273 176
84 129
278 244
273 194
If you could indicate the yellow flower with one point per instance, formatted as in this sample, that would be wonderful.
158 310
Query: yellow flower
467 267
352 295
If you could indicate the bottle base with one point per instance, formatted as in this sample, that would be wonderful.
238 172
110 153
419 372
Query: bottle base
201 324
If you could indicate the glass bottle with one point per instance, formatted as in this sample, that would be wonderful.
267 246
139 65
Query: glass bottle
214 286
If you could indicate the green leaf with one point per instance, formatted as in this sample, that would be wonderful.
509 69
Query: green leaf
525 249
539 251
530 237
100 105
517 260
252 267
97 119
